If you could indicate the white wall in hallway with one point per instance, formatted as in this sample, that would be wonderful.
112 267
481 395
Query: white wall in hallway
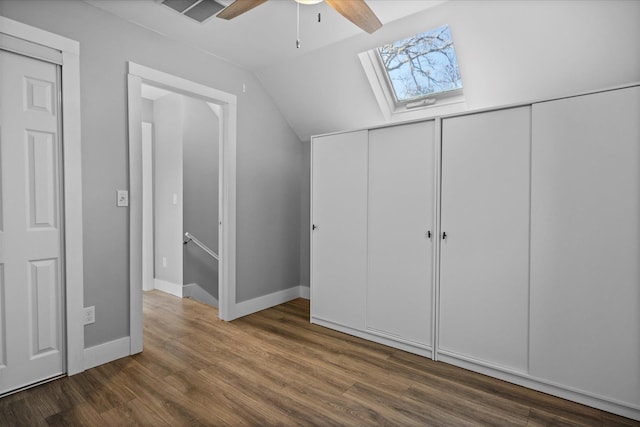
168 188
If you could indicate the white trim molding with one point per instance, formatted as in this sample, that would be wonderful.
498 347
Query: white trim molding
106 352
168 287
254 305
72 172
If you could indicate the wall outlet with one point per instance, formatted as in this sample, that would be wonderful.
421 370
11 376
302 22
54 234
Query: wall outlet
89 315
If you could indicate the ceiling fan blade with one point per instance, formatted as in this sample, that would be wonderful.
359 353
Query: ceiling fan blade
239 7
357 12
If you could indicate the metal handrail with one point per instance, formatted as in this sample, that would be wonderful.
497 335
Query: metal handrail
191 238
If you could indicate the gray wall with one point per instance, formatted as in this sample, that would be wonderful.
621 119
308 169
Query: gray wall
268 197
268 212
200 185
168 119
305 215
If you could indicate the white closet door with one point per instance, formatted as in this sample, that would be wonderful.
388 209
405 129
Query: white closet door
31 276
585 244
400 264
339 241
484 279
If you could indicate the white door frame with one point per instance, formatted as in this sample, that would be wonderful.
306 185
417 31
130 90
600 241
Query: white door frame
72 175
139 74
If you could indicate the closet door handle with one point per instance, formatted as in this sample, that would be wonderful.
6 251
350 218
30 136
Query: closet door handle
444 235
429 234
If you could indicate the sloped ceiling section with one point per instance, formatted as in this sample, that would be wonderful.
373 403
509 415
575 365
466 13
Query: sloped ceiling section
508 52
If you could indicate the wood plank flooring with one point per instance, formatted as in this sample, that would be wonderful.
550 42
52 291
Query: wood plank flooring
275 368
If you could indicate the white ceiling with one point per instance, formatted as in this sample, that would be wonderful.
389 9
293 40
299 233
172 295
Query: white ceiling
263 36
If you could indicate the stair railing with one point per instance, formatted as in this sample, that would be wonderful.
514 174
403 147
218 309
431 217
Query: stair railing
191 238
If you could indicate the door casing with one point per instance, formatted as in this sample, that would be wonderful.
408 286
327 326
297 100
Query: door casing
139 74
72 177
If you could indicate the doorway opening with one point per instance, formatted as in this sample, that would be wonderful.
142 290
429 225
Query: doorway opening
180 173
224 105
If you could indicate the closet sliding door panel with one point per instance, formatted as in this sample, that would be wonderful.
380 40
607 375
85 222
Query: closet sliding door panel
484 277
400 264
339 243
585 244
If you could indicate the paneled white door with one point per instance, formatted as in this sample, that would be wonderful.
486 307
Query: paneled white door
401 224
31 275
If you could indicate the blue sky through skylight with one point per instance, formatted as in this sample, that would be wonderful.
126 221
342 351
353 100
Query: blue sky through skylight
422 65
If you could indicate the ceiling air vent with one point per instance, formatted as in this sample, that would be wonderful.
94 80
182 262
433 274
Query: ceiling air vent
198 10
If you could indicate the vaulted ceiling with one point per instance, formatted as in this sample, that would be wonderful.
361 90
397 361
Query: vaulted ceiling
509 51
262 37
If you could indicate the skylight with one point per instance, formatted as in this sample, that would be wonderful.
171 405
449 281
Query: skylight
421 66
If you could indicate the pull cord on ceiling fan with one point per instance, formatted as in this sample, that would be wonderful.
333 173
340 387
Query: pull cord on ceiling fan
298 3
356 11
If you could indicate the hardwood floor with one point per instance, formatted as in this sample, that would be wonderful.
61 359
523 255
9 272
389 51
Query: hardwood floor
275 368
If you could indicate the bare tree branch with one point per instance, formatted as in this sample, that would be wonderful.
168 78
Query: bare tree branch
422 64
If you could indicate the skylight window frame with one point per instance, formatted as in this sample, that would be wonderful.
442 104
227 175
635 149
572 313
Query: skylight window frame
403 103
382 87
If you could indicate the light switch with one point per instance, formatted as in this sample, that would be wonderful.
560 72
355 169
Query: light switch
123 198
175 199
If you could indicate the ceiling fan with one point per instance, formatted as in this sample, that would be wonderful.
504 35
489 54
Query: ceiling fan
355 11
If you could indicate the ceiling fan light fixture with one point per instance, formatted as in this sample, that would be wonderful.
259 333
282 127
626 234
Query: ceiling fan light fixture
309 1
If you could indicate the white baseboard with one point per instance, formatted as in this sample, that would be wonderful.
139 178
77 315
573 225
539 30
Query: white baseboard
305 292
415 348
245 308
168 287
195 291
522 379
107 352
